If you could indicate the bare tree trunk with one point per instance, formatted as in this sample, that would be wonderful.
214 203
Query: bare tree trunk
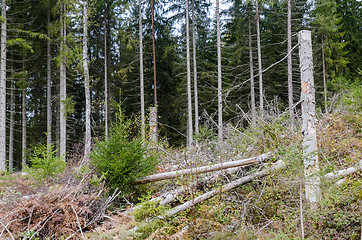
154 64
188 69
143 127
105 80
49 86
3 89
251 66
289 48
219 80
324 77
259 61
23 130
88 134
311 166
195 69
63 84
153 124
11 131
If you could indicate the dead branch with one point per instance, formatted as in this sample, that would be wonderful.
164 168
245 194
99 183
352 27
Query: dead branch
344 172
204 169
278 165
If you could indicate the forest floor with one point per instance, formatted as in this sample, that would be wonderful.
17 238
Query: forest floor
77 205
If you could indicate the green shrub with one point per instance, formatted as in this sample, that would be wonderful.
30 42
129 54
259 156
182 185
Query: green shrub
122 159
44 164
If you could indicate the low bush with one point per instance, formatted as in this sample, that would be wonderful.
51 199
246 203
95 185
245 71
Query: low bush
122 158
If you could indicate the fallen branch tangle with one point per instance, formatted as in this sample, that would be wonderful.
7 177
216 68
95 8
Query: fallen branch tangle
227 187
204 169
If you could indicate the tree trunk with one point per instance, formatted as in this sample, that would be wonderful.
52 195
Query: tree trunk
63 84
324 77
143 127
289 48
204 169
311 166
188 69
12 110
105 80
23 129
49 86
153 124
219 80
88 133
195 69
154 64
261 94
251 66
3 89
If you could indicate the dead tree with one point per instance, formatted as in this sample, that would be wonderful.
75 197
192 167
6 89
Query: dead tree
309 130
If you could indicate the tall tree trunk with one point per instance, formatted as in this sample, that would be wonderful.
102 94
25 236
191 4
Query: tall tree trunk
219 80
49 86
11 130
142 93
251 66
195 69
154 66
311 165
105 80
88 134
289 48
189 100
23 108
261 94
63 83
3 89
324 77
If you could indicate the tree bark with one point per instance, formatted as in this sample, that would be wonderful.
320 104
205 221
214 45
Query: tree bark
153 124
195 69
219 79
261 93
278 165
49 86
311 166
324 77
154 64
105 80
88 133
204 169
63 84
188 69
23 129
143 126
11 130
251 66
290 73
3 89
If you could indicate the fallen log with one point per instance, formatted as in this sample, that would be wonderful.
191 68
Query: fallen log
344 172
204 169
278 165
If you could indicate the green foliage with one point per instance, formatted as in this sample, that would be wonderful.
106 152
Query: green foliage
44 164
122 159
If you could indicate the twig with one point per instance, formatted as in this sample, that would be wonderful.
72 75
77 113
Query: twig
79 225
44 224
31 214
263 227
12 237
301 208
